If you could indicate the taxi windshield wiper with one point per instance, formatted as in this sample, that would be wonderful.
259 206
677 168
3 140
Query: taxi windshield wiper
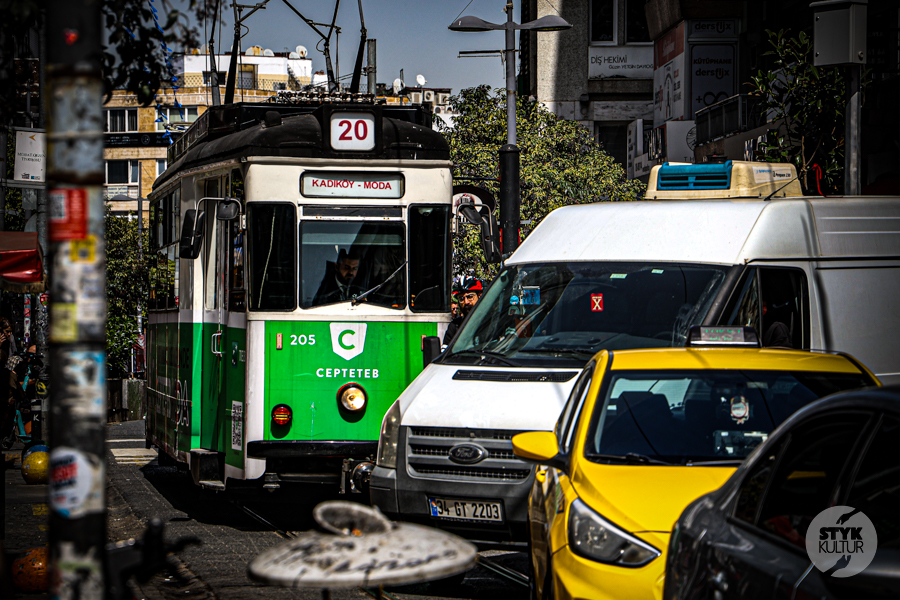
712 463
631 458
485 354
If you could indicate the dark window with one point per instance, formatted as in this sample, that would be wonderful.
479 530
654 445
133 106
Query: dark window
237 295
117 171
775 302
119 120
636 30
613 138
569 416
429 264
754 485
805 480
603 20
876 487
344 259
271 253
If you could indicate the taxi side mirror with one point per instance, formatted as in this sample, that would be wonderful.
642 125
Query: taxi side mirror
539 447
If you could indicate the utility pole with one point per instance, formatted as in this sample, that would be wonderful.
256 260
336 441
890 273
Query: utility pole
370 68
77 482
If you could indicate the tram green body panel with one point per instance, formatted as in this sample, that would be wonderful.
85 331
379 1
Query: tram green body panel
317 358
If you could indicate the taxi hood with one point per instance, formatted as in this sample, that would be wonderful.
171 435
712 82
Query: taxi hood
486 397
644 497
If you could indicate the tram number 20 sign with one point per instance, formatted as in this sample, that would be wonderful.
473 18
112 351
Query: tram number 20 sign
352 131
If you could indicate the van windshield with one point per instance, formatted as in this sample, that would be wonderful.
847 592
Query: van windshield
569 311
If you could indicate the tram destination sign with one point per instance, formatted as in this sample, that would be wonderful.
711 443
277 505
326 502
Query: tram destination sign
343 184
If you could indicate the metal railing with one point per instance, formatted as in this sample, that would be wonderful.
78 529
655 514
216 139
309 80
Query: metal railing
732 115
247 82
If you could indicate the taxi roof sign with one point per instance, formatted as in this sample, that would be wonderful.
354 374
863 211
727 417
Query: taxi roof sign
700 335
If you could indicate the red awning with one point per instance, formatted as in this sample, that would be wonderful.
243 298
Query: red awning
21 263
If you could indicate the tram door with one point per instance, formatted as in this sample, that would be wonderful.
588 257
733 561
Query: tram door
224 334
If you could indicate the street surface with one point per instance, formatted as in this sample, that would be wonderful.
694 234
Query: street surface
139 489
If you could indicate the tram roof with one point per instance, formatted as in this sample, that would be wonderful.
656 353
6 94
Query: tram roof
292 130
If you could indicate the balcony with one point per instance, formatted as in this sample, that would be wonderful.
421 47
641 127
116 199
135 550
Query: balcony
727 117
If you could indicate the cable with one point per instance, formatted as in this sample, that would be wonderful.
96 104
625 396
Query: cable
464 9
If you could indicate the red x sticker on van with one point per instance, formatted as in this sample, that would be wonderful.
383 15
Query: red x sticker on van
596 302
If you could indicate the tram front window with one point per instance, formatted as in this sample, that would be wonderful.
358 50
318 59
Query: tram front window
341 260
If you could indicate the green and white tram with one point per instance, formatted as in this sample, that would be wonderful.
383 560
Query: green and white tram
303 258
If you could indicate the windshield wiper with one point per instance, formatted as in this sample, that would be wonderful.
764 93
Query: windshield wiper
631 458
484 354
587 353
712 463
362 296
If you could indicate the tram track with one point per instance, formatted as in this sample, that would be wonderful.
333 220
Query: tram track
485 562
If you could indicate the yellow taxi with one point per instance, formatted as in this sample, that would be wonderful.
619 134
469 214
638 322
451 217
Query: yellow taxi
645 432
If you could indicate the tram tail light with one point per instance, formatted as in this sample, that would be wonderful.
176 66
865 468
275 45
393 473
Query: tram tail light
282 414
352 397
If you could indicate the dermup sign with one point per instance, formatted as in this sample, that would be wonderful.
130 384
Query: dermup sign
341 184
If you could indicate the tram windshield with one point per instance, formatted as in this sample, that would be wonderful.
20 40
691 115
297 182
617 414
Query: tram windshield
569 311
342 260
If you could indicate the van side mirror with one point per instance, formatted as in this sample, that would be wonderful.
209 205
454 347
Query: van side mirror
539 447
191 234
228 209
490 239
431 349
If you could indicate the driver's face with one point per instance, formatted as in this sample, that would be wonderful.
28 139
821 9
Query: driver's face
347 269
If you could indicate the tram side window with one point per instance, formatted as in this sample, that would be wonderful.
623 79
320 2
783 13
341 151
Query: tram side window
164 219
237 295
340 260
429 264
271 251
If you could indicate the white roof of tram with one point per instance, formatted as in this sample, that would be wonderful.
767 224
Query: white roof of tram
716 231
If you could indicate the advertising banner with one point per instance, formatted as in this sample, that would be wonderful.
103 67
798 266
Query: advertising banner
712 74
30 156
668 77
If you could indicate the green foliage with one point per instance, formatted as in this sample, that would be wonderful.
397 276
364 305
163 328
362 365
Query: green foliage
808 103
126 288
560 164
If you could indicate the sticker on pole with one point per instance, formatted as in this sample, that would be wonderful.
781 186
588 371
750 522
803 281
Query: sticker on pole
68 214
841 541
76 486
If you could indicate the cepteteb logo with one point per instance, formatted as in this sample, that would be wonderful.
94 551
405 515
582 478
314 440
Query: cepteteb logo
841 541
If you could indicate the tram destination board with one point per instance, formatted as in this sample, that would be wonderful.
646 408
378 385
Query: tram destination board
466 510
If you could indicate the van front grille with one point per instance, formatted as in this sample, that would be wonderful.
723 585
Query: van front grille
428 455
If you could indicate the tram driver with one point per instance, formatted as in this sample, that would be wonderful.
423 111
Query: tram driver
340 283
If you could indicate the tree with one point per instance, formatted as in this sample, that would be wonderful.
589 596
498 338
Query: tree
133 57
807 105
126 289
560 164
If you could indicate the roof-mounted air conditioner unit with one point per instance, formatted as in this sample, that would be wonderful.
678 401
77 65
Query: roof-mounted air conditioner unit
442 99
415 97
428 96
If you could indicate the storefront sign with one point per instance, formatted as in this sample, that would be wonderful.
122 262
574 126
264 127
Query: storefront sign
30 156
713 29
332 184
635 62
712 74
135 140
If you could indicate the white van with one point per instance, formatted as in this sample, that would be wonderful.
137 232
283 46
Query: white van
817 273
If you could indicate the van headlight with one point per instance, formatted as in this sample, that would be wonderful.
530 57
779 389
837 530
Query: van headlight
389 438
593 537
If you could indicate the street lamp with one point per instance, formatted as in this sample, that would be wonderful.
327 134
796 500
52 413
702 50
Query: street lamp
509 154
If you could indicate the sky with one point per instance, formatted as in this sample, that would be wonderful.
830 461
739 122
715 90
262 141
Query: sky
411 35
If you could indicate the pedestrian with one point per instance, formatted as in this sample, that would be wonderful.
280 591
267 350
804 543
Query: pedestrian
469 294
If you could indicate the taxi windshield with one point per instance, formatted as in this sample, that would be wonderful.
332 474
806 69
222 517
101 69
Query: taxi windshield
681 417
572 310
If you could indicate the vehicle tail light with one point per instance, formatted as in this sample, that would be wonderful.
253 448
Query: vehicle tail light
282 414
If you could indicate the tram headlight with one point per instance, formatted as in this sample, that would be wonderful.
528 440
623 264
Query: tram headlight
389 438
282 414
352 397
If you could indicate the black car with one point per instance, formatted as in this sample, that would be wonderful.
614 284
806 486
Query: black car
748 538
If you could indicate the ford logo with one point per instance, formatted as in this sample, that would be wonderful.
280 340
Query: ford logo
467 454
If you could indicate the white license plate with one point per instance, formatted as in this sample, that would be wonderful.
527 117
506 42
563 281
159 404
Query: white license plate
469 510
